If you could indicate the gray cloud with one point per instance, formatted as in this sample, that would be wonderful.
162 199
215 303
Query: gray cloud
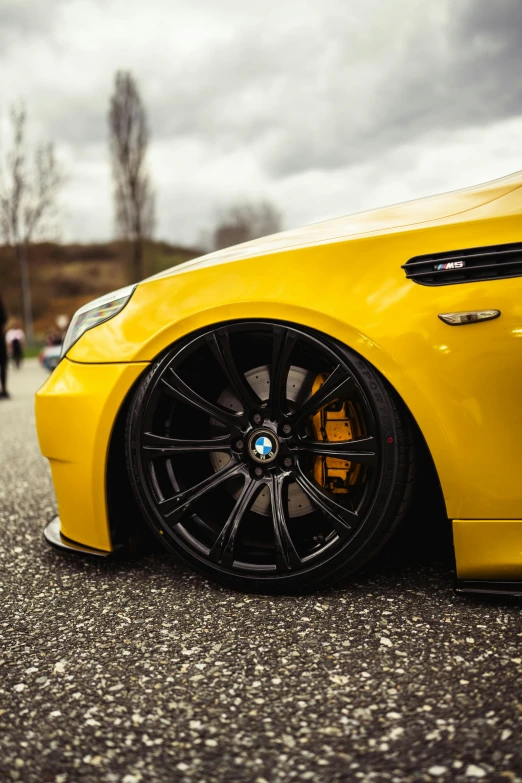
323 89
321 96
252 97
448 74
467 78
20 20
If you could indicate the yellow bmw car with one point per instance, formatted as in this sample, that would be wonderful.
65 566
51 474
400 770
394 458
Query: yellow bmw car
259 408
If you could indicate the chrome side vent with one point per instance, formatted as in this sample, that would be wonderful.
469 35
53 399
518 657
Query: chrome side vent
466 266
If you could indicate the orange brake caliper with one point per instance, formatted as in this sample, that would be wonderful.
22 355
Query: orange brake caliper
338 421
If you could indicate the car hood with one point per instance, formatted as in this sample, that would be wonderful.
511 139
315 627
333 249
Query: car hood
408 213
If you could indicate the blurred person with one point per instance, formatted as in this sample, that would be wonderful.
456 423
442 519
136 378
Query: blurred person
15 339
53 338
51 354
3 351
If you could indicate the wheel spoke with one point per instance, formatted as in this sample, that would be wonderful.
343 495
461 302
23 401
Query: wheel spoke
287 558
361 450
160 446
177 388
179 502
341 518
219 344
283 343
337 384
223 549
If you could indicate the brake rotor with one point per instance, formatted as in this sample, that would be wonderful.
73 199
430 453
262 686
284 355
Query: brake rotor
298 389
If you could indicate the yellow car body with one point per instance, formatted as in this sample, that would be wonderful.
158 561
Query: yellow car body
344 278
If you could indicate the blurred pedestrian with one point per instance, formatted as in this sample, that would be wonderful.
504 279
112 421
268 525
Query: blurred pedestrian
3 351
15 339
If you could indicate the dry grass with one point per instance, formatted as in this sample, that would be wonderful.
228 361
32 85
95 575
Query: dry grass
64 277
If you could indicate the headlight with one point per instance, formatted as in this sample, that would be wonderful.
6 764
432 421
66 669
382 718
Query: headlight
94 313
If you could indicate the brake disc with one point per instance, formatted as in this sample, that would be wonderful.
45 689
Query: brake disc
298 388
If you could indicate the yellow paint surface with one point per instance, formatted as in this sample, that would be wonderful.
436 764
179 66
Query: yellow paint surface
488 548
463 385
75 413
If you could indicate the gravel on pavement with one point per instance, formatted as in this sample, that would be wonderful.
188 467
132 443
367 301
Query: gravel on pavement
138 670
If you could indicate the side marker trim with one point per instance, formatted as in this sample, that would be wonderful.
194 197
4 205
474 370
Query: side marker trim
469 317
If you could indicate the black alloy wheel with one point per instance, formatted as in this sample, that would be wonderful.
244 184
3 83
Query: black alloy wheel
269 457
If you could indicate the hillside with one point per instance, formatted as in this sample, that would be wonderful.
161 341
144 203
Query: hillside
64 277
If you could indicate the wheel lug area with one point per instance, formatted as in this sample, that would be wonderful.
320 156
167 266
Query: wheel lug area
288 462
239 444
286 429
258 472
257 418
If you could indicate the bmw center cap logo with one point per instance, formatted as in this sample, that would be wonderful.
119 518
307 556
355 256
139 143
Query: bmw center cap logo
263 446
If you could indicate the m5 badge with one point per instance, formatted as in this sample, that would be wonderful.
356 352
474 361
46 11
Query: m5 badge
449 265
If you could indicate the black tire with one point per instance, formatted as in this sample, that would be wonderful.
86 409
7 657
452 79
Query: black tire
234 456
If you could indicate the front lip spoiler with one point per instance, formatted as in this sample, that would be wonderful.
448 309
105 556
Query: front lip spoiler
53 536
489 587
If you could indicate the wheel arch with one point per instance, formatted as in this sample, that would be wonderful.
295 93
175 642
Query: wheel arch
127 526
387 362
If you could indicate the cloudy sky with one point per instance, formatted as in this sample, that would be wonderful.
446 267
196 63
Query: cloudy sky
324 107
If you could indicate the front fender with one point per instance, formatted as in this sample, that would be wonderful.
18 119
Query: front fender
462 384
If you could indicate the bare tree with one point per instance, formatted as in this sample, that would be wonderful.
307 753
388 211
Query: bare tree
133 194
27 201
246 221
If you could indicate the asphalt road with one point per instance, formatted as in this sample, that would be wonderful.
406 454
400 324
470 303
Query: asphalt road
138 670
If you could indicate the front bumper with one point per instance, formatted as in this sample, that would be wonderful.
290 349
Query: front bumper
75 413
